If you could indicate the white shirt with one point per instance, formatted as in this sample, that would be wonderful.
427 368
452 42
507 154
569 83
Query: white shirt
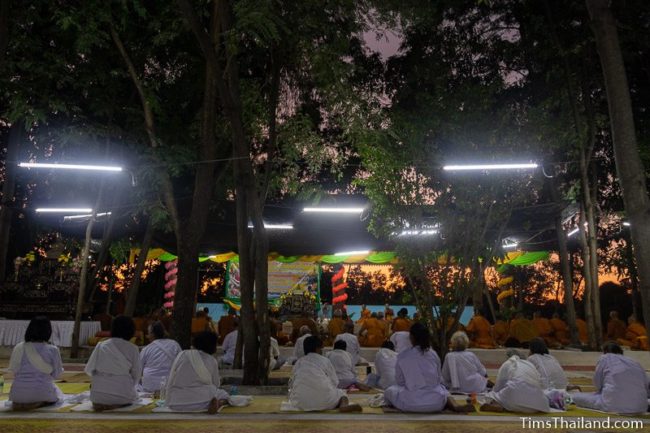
352 345
229 347
401 340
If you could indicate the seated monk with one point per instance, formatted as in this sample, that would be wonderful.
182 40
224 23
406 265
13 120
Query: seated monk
226 324
560 330
402 321
305 320
615 327
389 313
365 315
314 382
373 332
478 330
336 325
500 332
635 336
583 334
522 330
544 329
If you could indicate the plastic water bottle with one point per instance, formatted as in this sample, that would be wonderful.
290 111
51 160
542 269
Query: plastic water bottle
234 390
163 391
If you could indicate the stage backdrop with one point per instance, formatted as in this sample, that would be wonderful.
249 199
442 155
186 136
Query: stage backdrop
284 278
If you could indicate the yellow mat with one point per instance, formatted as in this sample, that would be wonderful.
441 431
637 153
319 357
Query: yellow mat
271 404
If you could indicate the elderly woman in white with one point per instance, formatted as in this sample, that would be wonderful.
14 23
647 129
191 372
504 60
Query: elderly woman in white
462 371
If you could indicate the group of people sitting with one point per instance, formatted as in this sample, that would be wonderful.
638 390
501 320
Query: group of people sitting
414 379
411 374
520 331
189 379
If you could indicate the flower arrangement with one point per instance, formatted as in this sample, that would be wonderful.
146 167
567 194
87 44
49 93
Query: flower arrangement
64 259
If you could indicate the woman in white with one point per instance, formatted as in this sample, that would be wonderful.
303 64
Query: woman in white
385 361
193 384
114 367
401 340
518 388
229 346
35 364
462 371
314 383
157 358
619 382
342 362
550 370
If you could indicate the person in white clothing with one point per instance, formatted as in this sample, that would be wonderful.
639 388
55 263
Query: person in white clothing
518 388
157 358
550 370
351 342
342 362
114 367
230 346
620 384
401 340
314 384
35 364
385 361
298 348
462 371
194 381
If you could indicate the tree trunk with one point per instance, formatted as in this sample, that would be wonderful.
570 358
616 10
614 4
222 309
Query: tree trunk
132 294
629 166
586 274
5 8
8 190
184 297
83 280
103 257
567 280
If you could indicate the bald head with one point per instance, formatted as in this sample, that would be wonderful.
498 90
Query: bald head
304 330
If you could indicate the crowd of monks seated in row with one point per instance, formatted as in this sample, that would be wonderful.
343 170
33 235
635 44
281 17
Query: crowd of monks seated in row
409 372
554 331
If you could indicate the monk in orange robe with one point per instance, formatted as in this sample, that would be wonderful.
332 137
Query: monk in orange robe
522 329
500 332
478 330
560 330
373 332
226 324
583 334
636 336
544 329
389 314
615 327
365 315
402 321
336 325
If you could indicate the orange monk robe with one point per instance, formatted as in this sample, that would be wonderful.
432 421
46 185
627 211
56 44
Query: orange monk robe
373 333
500 332
478 330
225 326
335 327
615 329
636 337
583 334
560 330
386 325
545 330
402 324
365 315
199 324
523 330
